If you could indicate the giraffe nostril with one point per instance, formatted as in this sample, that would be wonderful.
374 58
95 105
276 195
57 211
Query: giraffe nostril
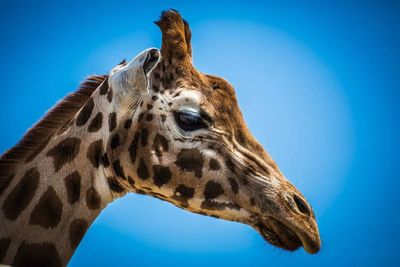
301 205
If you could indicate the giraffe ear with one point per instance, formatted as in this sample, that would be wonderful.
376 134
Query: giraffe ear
133 77
176 36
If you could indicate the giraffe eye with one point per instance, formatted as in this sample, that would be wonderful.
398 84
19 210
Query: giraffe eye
189 120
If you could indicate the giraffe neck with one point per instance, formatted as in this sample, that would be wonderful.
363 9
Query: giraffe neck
49 203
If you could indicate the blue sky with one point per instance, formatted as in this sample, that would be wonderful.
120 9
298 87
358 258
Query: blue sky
318 84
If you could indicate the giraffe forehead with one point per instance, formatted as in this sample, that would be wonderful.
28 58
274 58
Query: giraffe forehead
187 98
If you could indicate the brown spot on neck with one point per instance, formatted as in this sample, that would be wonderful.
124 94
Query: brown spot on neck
85 113
128 124
112 121
96 123
104 87
144 134
133 147
64 152
43 255
47 213
73 186
115 142
119 171
4 245
77 230
5 183
94 152
21 195
93 199
114 184
110 95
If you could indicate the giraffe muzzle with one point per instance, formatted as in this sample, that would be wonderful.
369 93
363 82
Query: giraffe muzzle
284 218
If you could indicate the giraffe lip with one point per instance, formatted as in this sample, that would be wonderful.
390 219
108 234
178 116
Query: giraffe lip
279 235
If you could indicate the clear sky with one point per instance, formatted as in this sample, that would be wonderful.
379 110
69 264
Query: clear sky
318 83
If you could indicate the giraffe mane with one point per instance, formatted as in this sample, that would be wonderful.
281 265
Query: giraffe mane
39 134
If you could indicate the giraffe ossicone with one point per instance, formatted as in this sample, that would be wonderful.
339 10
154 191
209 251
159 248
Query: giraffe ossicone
153 126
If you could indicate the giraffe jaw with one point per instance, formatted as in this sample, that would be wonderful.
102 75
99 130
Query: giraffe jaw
278 234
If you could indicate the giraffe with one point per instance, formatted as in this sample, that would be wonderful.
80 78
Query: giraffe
153 126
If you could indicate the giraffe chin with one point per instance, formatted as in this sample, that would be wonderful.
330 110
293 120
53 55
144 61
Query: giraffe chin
279 235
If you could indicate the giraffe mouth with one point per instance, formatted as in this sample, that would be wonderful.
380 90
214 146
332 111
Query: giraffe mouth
279 235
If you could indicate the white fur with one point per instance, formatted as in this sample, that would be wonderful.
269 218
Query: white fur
101 185
131 77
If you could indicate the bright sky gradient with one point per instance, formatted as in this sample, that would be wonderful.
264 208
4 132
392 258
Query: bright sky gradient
318 83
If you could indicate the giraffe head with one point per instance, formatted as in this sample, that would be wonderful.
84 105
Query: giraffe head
184 140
